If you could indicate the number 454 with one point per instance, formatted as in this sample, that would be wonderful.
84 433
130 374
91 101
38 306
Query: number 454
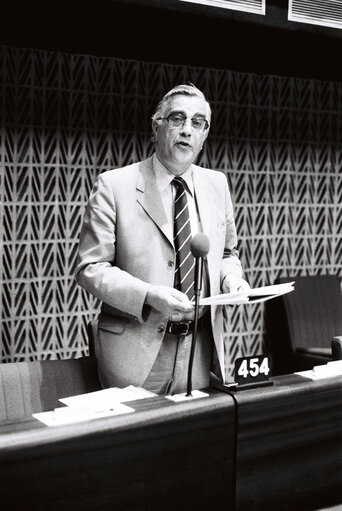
254 367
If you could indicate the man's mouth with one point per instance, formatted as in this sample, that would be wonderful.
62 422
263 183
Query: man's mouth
183 144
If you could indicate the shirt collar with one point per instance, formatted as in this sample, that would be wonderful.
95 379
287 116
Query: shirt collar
164 176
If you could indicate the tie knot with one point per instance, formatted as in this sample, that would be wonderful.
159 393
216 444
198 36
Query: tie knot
178 181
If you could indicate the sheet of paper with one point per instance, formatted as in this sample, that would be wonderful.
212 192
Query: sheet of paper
106 398
71 415
329 370
255 295
259 299
225 299
276 289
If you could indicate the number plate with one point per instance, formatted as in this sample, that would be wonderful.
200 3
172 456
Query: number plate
252 369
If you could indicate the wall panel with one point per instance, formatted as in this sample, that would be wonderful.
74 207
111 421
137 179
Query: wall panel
65 118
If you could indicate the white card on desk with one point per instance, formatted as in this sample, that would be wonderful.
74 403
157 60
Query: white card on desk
106 398
71 415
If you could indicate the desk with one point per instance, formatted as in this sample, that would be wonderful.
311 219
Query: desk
271 449
165 456
289 445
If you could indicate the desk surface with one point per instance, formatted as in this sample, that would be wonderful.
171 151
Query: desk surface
267 448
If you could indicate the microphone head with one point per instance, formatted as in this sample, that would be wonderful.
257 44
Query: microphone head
199 245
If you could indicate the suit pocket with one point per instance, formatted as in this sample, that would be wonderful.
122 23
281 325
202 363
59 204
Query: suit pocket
115 325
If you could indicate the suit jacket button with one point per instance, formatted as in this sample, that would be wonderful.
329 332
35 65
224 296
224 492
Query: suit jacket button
161 328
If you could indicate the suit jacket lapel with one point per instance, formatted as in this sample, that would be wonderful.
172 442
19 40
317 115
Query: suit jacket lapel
205 202
149 197
206 209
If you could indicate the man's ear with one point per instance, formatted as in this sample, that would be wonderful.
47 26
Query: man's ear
155 127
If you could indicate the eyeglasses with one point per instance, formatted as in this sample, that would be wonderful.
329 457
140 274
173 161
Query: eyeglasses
177 120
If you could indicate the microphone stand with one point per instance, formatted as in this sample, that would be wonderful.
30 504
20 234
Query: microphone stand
198 286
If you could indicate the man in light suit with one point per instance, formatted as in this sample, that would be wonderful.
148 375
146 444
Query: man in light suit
127 256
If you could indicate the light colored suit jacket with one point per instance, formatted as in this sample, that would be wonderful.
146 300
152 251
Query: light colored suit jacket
126 244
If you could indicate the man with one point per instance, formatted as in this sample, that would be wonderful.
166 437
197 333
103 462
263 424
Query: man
132 257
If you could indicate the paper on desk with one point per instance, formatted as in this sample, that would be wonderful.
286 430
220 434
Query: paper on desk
106 398
71 415
259 294
93 405
329 370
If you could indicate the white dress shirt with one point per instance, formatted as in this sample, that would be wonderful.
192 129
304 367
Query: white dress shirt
168 191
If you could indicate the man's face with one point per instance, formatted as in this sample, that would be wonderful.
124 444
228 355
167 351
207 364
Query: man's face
177 147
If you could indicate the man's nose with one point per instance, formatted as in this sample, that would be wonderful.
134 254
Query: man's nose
187 127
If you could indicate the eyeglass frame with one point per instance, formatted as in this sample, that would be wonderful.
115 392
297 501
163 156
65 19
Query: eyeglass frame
203 128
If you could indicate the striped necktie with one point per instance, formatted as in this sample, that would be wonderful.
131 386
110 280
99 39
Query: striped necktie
185 262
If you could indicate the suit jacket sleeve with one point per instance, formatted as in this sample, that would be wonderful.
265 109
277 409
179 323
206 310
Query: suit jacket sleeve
231 264
96 270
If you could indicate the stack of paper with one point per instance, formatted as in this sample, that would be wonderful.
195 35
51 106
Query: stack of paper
93 405
260 294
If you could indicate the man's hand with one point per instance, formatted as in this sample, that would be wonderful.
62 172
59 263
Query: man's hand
233 284
168 300
189 316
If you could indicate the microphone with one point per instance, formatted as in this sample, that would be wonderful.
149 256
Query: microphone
199 247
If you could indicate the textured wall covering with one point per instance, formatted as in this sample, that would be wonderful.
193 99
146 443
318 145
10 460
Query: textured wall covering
65 118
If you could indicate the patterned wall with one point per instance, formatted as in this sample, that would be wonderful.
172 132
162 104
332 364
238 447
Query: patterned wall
65 118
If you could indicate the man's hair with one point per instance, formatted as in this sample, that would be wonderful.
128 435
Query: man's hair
188 89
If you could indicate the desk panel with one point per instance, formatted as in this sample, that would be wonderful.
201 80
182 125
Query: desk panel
289 445
165 456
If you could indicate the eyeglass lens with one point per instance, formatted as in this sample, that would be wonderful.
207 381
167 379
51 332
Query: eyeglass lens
178 119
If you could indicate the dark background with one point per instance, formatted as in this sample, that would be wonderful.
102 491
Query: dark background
177 32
